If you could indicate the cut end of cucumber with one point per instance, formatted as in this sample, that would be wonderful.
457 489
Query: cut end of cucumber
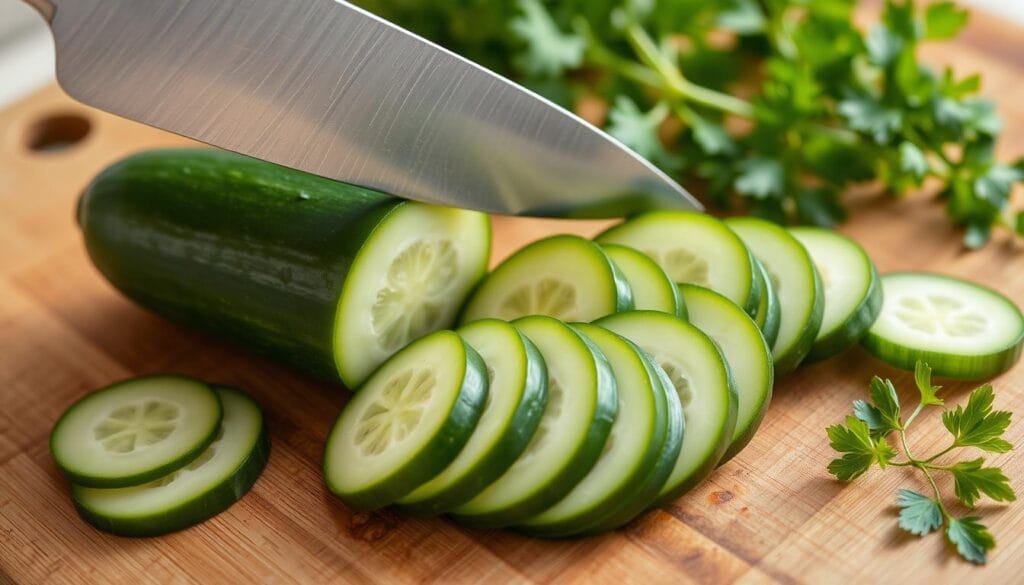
409 279
412 299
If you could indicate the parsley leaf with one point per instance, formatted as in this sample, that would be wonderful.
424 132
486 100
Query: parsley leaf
870 116
761 177
977 425
862 442
549 51
639 130
919 514
859 449
971 480
971 538
943 20
923 378
883 394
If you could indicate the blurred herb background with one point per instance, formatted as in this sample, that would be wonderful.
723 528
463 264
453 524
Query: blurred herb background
771 107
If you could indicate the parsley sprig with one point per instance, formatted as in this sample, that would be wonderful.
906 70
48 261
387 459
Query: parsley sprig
864 441
777 107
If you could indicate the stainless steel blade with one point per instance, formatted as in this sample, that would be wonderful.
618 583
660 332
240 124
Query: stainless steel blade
328 88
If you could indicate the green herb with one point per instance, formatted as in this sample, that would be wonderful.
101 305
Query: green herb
780 105
863 441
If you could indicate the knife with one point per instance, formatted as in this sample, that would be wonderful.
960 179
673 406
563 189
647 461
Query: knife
326 87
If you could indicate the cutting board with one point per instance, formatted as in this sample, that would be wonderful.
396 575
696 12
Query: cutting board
772 514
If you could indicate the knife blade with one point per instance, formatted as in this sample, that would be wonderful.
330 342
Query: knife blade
328 88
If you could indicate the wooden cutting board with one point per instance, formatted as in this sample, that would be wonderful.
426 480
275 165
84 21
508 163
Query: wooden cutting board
770 514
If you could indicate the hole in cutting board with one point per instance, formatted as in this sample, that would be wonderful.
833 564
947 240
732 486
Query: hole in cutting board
57 133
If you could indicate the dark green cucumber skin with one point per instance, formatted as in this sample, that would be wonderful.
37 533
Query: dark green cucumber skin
855 328
196 510
149 474
632 498
581 464
648 490
247 251
768 312
524 423
433 457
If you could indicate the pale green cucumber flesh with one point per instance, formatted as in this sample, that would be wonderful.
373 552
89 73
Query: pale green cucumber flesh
577 419
701 377
203 488
852 289
517 394
652 289
796 283
135 430
631 451
746 352
407 422
564 276
961 329
692 248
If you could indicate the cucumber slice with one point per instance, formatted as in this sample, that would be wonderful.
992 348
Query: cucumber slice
633 449
517 394
692 248
796 282
566 277
407 280
647 490
768 311
577 419
407 422
652 288
702 379
852 289
203 488
746 352
961 329
135 431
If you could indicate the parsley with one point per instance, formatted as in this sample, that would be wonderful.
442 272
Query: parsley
776 106
863 441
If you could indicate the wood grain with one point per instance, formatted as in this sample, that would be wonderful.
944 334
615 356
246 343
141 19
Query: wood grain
770 515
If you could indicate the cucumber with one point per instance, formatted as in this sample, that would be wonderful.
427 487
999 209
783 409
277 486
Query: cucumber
701 377
652 288
852 289
565 277
647 490
632 453
572 433
407 422
135 431
768 311
517 394
746 352
327 277
796 282
203 488
693 248
962 330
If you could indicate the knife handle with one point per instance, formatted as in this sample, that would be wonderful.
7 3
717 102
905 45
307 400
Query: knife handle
44 7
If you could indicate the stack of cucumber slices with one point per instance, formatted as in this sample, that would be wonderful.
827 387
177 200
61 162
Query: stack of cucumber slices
156 454
592 380
587 380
